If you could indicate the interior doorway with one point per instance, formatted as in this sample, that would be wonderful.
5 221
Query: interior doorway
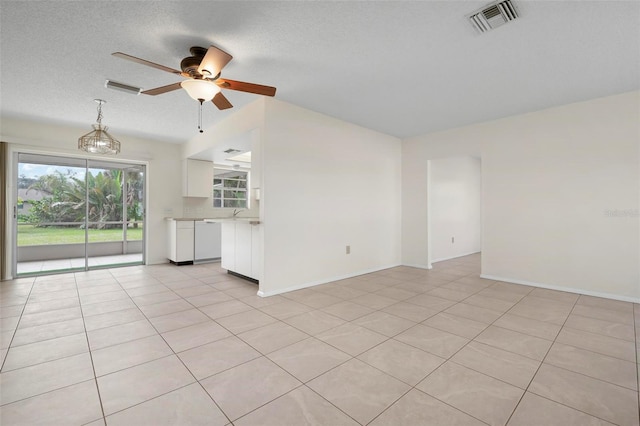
454 207
75 214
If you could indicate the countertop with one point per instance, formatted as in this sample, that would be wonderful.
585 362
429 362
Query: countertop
250 220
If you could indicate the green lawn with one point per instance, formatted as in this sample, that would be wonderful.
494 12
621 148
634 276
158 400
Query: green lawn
29 235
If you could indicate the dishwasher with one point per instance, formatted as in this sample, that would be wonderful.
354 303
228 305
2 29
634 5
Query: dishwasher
207 241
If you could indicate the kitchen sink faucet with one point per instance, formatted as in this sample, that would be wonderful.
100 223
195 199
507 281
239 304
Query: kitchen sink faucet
236 211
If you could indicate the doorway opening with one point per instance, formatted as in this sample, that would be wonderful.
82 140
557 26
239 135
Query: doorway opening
455 208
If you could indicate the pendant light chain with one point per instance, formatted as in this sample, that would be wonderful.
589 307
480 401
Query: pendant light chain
200 116
99 120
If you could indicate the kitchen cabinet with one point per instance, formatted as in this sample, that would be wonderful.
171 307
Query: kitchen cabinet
228 260
197 178
241 248
256 252
181 241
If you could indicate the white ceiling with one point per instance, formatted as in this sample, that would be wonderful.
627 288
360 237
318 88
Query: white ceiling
402 68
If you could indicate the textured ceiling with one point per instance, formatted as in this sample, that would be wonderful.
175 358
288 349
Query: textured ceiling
402 68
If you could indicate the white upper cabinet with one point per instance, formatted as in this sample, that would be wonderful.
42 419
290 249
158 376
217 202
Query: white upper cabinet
197 178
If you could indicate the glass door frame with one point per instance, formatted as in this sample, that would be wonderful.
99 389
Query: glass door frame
89 162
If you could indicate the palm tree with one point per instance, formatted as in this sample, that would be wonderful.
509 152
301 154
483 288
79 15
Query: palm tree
68 195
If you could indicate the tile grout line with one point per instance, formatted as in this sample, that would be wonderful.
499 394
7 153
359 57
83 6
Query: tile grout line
541 363
350 359
414 387
33 283
540 366
93 367
174 354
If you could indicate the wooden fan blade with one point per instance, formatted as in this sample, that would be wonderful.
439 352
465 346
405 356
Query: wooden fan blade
163 89
145 62
221 101
213 62
241 86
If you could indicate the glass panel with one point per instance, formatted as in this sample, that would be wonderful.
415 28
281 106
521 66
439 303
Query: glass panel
115 204
51 214
134 231
234 203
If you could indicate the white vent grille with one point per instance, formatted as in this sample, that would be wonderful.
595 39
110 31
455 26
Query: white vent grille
493 15
110 84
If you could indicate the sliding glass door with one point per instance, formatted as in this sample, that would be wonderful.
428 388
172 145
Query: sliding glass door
76 214
115 213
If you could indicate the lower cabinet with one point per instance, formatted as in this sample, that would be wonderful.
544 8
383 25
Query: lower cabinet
228 258
241 248
181 241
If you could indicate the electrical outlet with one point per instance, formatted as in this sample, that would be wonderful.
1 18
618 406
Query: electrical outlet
452 240
348 250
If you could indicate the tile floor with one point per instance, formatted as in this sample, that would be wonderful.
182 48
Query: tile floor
192 345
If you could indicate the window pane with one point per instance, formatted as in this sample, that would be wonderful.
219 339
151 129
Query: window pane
231 183
234 194
235 203
230 188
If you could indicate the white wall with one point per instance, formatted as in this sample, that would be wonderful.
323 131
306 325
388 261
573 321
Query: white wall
326 184
454 207
163 171
549 179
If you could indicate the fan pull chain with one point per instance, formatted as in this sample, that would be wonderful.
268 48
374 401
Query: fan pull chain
200 116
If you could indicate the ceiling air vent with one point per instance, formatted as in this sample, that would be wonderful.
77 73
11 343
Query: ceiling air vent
110 84
493 15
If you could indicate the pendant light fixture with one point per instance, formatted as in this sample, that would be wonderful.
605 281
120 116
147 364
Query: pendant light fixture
99 141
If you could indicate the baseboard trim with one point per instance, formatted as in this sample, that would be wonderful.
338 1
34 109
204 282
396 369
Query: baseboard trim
454 257
566 289
244 277
411 265
323 281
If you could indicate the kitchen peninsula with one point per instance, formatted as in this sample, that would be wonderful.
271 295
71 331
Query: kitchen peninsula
241 246
236 241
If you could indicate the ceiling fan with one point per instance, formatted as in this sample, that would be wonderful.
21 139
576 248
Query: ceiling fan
203 82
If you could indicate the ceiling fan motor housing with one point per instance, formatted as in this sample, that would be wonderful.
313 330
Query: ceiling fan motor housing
190 64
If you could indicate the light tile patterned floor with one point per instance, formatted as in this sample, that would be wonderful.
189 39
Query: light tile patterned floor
192 345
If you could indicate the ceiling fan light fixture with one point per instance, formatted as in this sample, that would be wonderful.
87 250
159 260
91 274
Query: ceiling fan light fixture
200 90
99 141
